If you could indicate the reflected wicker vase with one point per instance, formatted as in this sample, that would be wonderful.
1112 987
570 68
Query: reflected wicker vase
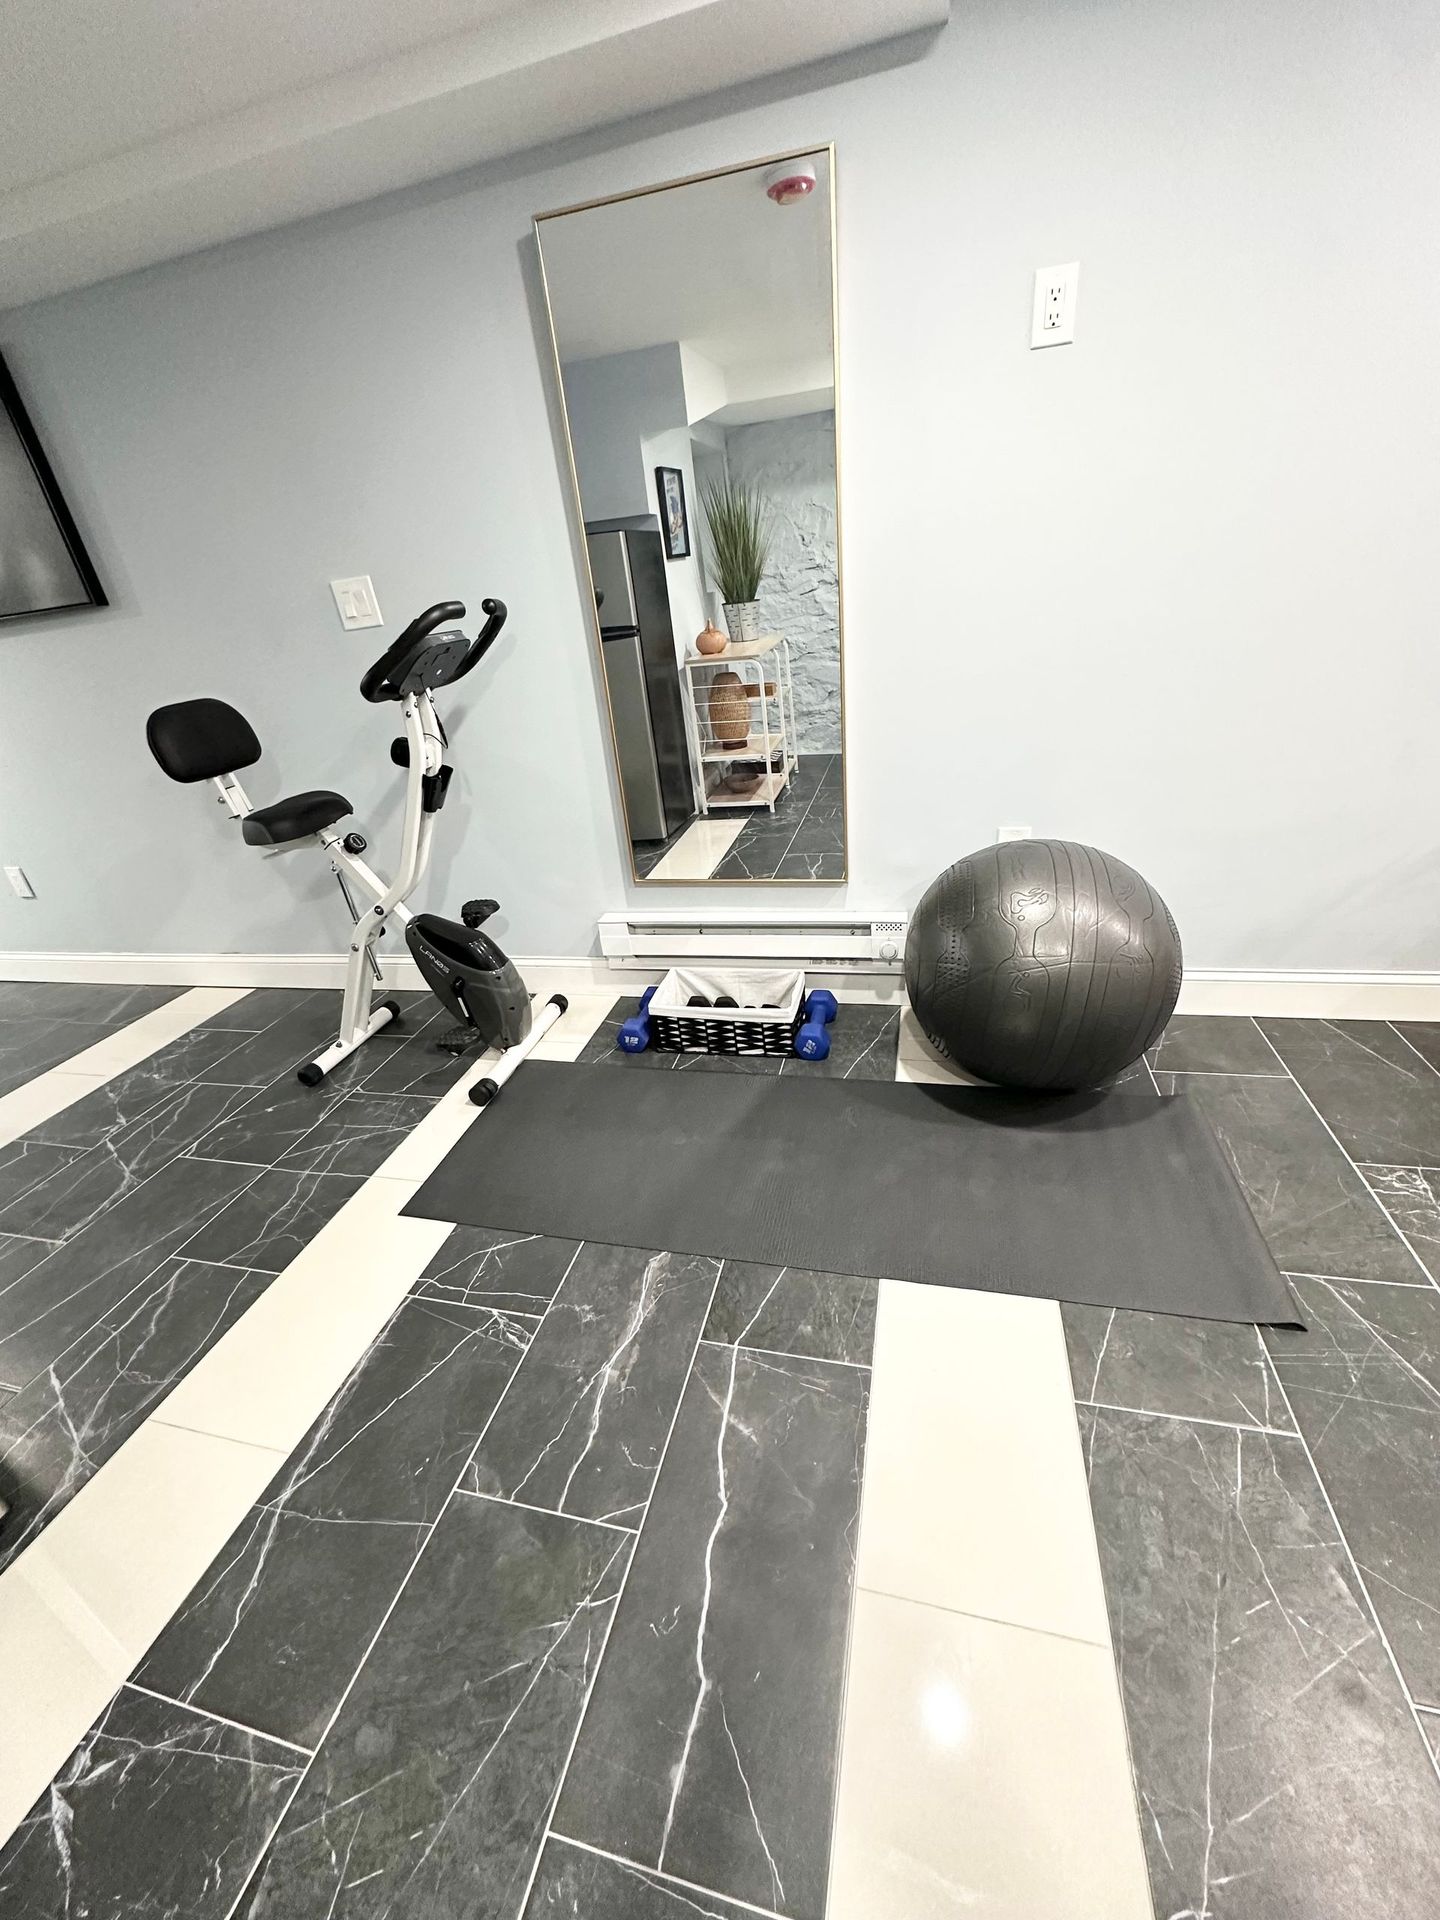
729 710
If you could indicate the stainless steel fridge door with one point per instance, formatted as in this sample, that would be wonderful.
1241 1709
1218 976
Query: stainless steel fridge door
634 741
610 570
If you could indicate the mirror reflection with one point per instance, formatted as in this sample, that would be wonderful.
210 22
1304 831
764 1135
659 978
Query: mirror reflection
695 340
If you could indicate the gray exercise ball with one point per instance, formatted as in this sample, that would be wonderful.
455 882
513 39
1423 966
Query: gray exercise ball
1042 963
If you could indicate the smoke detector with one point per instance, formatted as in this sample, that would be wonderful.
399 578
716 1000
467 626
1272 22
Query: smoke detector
792 180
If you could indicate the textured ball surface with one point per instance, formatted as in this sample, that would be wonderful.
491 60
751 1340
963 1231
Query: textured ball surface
1042 963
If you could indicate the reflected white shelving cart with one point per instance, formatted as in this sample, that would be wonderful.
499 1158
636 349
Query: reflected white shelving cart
760 664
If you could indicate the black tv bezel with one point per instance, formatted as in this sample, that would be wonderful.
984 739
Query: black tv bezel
14 408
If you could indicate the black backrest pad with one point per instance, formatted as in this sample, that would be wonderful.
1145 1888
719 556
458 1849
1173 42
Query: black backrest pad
198 739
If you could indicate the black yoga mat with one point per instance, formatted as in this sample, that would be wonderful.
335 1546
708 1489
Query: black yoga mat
1114 1200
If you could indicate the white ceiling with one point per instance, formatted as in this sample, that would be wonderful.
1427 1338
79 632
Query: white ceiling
713 264
132 131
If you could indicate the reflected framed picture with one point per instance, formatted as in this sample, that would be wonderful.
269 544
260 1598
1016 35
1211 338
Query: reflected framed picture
44 567
674 520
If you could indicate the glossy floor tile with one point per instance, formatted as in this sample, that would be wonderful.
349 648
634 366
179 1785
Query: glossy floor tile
983 1772
84 1281
1381 1099
576 1884
585 1427
1411 1197
974 1482
1314 1209
708 1750
72 1417
1279 1770
276 1627
430 1793
101 1841
1215 1043
1364 1380
1163 1363
275 1371
829 1316
99 1585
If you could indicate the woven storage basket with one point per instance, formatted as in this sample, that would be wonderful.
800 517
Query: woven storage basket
751 1028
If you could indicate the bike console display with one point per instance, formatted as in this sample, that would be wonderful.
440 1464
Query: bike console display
424 657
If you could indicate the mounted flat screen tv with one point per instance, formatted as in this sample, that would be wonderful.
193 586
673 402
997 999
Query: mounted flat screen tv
44 567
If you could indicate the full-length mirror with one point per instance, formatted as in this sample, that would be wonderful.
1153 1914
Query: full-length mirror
694 335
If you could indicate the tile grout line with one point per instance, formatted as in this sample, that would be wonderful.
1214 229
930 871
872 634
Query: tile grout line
990 1619
1354 1280
779 1353
1349 1157
691 1886
1406 1694
1405 1041
564 1772
1192 1419
204 1713
1214 1073
555 1513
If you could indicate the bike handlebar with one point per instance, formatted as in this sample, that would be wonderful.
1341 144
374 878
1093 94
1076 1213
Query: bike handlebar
387 678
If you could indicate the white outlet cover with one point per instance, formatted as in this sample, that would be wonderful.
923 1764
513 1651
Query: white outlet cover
356 603
19 884
1052 313
1013 831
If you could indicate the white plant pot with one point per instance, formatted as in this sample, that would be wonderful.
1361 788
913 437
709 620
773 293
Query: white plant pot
743 620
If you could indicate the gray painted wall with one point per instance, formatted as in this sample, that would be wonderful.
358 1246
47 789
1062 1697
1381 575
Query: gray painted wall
1170 589
793 463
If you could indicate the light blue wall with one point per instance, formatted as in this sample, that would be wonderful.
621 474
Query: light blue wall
1170 589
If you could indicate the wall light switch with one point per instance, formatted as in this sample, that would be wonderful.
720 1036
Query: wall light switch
18 883
1052 320
356 602
1012 831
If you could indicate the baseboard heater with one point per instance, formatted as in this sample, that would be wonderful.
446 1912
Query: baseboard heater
834 942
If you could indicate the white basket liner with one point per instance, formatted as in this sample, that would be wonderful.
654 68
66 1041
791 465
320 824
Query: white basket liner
784 985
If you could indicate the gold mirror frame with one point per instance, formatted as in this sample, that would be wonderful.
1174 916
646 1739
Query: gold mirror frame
578 505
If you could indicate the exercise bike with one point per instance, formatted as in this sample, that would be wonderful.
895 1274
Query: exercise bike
468 972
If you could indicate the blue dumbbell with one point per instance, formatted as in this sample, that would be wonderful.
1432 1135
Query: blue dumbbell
634 1034
813 1042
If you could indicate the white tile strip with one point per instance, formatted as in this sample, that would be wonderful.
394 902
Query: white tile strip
699 850
50 1093
984 1771
79 1608
984 1765
975 1495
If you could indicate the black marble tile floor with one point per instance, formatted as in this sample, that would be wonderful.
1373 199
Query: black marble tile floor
101 1312
547 1613
803 839
1266 1506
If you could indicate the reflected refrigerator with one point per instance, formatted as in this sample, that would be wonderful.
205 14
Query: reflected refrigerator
627 564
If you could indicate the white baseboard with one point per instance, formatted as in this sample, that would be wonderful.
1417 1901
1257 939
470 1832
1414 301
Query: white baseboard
1315 993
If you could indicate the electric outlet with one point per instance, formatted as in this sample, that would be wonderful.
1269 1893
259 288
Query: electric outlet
18 883
356 603
1013 832
1052 317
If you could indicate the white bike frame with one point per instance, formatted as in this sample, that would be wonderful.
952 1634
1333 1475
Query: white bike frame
359 1021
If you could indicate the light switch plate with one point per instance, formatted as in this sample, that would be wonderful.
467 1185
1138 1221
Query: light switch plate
18 883
356 603
1052 318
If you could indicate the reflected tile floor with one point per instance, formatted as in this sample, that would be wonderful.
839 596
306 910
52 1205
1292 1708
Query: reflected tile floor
548 1612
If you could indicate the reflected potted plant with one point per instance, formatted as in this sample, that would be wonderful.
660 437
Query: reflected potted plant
738 519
